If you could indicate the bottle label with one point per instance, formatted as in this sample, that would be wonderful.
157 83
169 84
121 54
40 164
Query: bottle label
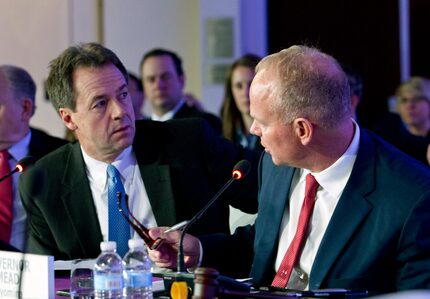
108 282
138 279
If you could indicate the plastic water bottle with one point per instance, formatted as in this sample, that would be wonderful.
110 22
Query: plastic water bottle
137 271
108 279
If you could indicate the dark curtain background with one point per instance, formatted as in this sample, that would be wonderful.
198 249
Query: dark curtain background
360 34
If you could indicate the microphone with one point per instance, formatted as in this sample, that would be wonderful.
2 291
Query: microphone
240 170
20 166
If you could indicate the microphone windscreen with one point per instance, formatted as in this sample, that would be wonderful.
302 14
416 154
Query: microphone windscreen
241 169
24 163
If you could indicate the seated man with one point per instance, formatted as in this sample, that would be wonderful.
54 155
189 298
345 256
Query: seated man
163 80
17 140
169 170
338 206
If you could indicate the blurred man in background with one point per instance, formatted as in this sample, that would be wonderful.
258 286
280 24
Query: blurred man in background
17 140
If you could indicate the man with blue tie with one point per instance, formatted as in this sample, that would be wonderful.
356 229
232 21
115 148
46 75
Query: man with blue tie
338 206
168 170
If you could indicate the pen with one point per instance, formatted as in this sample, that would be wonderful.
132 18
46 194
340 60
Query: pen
177 226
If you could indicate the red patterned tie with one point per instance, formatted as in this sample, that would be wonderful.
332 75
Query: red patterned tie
6 212
291 256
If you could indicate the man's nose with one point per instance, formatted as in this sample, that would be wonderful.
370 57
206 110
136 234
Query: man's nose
254 129
119 108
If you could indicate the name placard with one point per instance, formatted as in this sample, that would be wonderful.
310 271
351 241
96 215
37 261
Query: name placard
28 275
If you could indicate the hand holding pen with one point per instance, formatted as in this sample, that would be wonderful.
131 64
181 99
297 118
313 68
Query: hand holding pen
177 226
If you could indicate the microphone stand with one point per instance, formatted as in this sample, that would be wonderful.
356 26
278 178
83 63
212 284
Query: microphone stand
240 170
9 174
181 262
20 166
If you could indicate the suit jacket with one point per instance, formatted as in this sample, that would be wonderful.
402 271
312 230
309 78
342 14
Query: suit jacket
40 145
378 238
182 164
190 112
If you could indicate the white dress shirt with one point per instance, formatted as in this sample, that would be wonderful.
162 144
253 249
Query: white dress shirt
169 115
19 223
332 181
133 184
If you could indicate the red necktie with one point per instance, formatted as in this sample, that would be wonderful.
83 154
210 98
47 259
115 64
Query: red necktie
6 212
291 256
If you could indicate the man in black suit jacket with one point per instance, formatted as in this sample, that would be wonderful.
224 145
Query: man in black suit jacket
17 102
170 170
164 79
369 227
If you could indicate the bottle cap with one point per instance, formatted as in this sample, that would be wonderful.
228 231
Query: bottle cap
136 243
179 290
108 245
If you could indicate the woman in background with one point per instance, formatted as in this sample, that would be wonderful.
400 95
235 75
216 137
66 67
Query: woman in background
236 120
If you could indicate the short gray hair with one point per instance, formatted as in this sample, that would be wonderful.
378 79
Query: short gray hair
308 84
20 83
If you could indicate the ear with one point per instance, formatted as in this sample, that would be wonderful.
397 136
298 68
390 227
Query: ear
303 129
182 80
66 117
27 109
355 100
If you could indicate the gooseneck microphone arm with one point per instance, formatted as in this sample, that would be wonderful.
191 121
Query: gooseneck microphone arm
240 170
20 166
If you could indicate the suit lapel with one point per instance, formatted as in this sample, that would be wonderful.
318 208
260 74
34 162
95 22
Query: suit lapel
276 185
350 211
78 204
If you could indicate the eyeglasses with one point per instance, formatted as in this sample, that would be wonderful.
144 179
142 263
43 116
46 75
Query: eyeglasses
414 100
140 229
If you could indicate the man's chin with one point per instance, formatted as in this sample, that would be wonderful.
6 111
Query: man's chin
277 162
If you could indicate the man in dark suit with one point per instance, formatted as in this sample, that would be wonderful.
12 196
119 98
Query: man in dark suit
169 170
17 105
163 80
368 227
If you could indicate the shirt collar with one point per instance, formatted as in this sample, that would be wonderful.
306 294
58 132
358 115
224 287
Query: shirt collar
20 149
97 170
170 114
334 178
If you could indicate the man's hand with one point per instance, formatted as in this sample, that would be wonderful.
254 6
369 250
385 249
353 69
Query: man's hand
166 255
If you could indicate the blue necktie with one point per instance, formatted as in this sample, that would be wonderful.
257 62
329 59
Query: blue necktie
119 229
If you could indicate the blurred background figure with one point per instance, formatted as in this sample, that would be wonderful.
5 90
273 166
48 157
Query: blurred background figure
135 89
413 105
163 82
17 140
236 120
407 127
355 88
389 125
